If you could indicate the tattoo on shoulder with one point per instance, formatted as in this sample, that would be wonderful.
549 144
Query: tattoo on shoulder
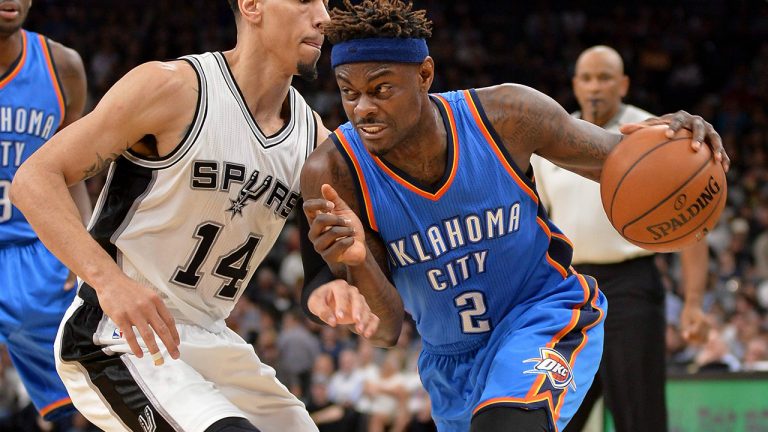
99 165
535 118
339 174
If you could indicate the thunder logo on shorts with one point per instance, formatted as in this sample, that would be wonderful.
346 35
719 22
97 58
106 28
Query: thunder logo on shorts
554 366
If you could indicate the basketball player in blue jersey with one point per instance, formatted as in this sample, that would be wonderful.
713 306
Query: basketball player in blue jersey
42 89
422 203
204 157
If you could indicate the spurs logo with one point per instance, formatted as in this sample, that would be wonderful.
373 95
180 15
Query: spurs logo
251 191
147 420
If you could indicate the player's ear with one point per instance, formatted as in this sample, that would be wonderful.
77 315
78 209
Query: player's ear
624 85
252 10
427 74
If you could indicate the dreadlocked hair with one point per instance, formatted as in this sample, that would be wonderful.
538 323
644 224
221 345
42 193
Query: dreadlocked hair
377 19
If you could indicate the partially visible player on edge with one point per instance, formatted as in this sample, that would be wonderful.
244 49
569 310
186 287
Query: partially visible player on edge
635 327
204 155
42 89
422 200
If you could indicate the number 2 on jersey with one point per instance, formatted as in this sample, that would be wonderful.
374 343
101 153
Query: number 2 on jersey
469 321
232 267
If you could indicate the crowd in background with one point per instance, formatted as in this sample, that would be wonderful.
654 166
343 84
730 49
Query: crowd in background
706 57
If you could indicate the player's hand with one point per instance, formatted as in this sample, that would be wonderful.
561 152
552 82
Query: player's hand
70 282
131 305
337 302
335 230
703 132
694 325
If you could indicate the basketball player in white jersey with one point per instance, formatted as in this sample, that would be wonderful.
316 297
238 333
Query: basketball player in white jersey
204 155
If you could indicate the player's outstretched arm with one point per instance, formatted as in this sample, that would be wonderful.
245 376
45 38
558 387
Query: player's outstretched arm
529 121
156 99
355 253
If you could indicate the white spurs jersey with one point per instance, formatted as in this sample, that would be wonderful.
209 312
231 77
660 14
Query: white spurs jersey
195 224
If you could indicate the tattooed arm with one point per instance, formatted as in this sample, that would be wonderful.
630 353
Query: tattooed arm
354 252
529 122
145 111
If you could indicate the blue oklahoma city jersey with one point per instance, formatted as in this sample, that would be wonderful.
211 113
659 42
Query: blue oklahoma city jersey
31 110
464 252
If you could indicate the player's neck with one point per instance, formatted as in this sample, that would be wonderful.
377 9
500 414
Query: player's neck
423 154
10 50
263 83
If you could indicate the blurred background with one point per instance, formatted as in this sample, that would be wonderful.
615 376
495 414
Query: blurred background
708 57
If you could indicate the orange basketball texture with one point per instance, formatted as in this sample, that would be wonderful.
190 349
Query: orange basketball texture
659 193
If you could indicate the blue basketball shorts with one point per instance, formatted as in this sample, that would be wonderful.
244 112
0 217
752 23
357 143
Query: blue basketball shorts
542 355
32 304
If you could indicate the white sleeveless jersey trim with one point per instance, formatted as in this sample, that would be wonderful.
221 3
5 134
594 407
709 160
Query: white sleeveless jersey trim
194 131
265 141
132 211
100 202
196 226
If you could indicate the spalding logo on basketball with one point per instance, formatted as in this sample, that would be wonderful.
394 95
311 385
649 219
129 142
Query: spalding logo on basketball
710 193
552 364
659 193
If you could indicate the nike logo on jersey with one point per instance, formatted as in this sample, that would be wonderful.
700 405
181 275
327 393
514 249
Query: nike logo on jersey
30 121
274 194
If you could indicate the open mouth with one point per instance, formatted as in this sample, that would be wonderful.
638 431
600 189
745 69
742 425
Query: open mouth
371 131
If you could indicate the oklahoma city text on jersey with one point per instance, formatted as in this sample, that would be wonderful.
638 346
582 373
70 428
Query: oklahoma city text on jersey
452 234
22 120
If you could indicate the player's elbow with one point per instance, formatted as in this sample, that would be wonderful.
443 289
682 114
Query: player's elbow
22 182
387 335
384 341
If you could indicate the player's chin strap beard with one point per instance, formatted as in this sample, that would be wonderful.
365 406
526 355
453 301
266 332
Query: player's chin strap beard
307 71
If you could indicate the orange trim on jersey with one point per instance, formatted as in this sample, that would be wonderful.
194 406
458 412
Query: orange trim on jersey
454 163
560 269
52 73
20 64
512 173
359 172
575 314
585 338
563 237
546 396
533 394
495 147
55 405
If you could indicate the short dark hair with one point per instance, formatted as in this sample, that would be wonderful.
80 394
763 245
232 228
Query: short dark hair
233 5
377 19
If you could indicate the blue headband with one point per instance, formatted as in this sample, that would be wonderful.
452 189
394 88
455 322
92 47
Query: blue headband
398 50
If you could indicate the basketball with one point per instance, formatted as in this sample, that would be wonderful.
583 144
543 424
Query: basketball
659 193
